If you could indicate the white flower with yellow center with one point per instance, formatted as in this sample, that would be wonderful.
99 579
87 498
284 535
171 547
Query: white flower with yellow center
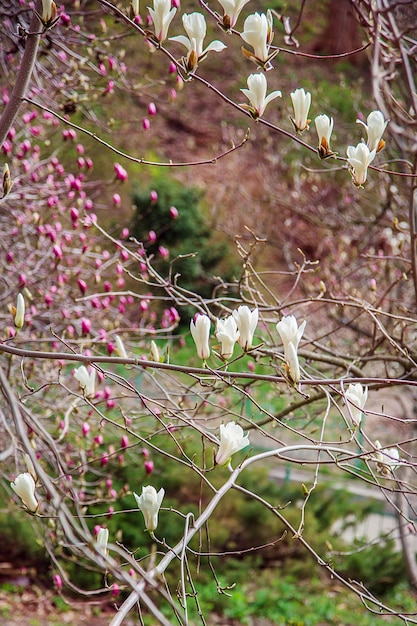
375 127
256 94
359 159
195 27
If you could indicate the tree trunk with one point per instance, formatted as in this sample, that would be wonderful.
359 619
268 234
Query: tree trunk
342 33
407 537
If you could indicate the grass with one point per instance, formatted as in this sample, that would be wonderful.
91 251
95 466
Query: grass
250 594
291 602
4 612
288 601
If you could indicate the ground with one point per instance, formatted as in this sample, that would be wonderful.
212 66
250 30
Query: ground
35 606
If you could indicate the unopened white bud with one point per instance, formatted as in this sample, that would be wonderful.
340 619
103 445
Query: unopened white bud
24 487
19 318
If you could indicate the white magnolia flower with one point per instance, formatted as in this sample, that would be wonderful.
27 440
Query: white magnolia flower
324 127
200 331
30 467
87 380
387 460
155 352
291 358
195 27
232 9
149 502
289 330
291 334
102 540
301 101
120 347
359 159
48 11
375 129
258 33
19 318
24 486
162 15
227 333
256 94
232 439
246 321
134 8
7 180
356 397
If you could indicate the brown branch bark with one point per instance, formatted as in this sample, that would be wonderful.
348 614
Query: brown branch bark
25 72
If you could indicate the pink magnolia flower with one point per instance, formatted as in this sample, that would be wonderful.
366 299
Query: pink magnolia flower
120 172
58 581
82 285
85 326
164 252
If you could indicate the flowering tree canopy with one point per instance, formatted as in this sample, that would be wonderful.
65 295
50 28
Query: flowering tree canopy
122 384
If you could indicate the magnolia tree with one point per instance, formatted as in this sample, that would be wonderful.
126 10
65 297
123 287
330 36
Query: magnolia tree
91 390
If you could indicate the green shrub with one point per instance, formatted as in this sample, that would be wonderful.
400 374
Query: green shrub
380 566
239 523
20 540
200 253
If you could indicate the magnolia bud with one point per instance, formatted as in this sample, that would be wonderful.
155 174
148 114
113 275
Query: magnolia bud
149 502
7 180
48 12
155 352
134 9
24 487
19 318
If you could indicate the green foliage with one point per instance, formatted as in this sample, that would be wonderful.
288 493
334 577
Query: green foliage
61 604
291 601
19 539
199 252
338 98
155 215
9 587
239 524
379 565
